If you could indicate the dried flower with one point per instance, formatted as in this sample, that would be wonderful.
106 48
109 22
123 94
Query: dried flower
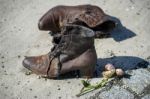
108 74
119 72
109 67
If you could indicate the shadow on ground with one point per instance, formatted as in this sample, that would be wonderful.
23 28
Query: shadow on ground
121 33
124 62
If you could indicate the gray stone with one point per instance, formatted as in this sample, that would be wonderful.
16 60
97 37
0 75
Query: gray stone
116 92
146 97
139 80
148 60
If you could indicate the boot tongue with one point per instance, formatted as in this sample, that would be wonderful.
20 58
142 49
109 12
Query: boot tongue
86 32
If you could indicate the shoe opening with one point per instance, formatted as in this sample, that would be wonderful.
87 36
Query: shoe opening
106 26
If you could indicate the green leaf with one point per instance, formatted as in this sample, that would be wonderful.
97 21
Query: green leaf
85 83
88 87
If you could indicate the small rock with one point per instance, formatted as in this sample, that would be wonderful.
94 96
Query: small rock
112 53
2 84
2 57
28 73
19 56
18 83
5 19
6 87
39 77
146 97
3 66
138 13
49 94
68 82
45 79
141 46
148 57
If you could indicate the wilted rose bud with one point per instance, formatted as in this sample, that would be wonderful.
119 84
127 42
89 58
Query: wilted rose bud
119 72
109 67
108 74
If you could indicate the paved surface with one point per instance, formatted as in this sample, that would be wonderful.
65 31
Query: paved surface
128 48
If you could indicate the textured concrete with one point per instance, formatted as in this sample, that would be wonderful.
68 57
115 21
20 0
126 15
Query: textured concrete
116 92
146 97
128 48
138 81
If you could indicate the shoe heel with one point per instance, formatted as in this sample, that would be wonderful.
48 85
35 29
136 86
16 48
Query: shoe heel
87 72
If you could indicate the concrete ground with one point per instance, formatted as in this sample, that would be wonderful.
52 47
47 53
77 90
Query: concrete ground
129 47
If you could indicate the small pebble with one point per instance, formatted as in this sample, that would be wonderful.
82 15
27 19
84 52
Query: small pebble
2 57
2 84
6 87
3 66
5 19
112 54
18 83
45 79
49 94
58 89
138 13
39 77
68 82
28 73
19 56
148 57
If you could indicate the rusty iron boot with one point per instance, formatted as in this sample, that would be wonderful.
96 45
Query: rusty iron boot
90 16
75 51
